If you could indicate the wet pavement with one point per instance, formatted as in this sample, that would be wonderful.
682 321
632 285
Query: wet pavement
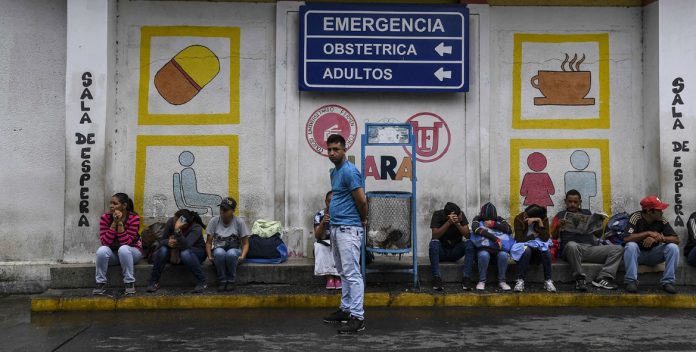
478 329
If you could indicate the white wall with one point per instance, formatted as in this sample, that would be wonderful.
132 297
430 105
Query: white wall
625 134
32 74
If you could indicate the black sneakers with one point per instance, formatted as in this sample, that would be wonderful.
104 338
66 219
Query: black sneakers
580 283
199 288
130 289
338 316
632 287
153 287
466 282
100 289
607 284
354 326
437 283
669 288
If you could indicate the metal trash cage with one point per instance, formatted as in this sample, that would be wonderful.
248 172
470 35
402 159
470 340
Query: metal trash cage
389 227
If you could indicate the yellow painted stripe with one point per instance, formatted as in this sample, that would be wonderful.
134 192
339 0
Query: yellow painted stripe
57 304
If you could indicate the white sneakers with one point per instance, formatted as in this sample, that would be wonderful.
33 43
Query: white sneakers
480 286
548 286
504 286
519 285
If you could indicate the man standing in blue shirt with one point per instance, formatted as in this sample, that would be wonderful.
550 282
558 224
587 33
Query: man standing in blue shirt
348 213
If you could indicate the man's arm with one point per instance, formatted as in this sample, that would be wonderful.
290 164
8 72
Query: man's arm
320 228
360 203
245 248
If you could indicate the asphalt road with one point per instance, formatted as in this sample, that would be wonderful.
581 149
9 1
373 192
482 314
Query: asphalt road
477 329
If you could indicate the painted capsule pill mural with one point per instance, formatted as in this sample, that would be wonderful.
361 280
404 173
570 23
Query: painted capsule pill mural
186 74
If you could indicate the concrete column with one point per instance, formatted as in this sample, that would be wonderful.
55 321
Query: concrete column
89 74
677 92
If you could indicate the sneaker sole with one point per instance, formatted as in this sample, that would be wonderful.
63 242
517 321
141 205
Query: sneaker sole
335 321
602 286
351 332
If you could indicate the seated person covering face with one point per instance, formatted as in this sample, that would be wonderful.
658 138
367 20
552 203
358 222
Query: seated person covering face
532 234
450 231
491 235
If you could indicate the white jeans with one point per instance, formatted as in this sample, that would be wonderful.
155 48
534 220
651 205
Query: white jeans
346 250
127 257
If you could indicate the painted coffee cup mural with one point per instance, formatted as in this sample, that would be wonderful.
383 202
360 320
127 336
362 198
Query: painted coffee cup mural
566 87
561 81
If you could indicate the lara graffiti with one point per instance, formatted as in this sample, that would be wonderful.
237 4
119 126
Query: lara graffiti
678 86
387 169
566 87
84 140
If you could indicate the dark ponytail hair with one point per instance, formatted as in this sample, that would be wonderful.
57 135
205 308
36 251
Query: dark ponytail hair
190 215
125 199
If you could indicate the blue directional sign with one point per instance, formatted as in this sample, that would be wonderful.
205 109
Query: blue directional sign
384 48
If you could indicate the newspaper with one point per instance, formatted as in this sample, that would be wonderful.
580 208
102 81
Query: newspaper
580 223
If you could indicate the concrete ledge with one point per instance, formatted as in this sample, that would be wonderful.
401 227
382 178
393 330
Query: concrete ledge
372 299
300 271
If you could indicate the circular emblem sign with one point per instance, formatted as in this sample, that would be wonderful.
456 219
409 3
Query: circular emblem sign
328 120
432 136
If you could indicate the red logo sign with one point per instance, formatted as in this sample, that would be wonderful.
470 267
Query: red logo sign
432 136
328 120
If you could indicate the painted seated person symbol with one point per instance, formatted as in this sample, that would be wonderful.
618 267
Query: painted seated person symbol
185 75
185 186
537 187
584 182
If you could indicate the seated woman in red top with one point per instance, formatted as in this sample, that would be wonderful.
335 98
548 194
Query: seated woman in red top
118 233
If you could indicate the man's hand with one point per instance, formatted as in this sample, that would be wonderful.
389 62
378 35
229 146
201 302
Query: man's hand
171 243
211 258
240 260
364 223
562 223
326 219
489 223
453 219
649 242
531 221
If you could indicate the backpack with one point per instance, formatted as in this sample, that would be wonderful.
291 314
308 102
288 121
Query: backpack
691 234
267 250
617 227
150 237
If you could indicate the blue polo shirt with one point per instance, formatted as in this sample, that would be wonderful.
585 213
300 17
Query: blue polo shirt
344 180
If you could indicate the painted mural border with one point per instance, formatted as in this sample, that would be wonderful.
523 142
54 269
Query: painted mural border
143 142
516 145
599 122
146 34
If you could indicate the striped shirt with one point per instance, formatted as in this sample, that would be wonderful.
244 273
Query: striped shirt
129 236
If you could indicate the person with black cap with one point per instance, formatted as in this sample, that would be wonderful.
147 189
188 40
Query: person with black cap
650 240
227 243
449 230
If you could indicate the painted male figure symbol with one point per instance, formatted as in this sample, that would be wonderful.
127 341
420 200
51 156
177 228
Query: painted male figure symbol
537 187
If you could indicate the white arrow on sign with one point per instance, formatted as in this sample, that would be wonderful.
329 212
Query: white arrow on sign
442 49
442 74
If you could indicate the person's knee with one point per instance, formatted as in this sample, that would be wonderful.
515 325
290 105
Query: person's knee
187 256
672 248
631 247
571 247
233 254
103 251
616 249
483 255
123 250
434 245
503 256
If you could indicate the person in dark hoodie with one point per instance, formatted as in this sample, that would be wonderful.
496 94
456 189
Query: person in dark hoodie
532 228
491 236
183 233
450 228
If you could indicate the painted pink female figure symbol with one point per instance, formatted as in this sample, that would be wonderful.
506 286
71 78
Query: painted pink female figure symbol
537 186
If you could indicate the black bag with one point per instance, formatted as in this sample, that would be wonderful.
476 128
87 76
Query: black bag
691 233
264 248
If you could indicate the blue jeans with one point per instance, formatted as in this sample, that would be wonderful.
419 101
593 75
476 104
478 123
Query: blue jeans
691 259
665 252
226 260
526 258
346 242
192 259
439 253
127 257
484 257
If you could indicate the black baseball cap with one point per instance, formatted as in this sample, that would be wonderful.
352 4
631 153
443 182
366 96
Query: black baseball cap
228 204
